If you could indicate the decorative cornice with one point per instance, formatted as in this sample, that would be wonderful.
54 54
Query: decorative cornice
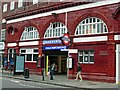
45 9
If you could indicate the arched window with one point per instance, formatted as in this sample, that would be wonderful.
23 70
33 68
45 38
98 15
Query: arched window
30 33
55 29
91 25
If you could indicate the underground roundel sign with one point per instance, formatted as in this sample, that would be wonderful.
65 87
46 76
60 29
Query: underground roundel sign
65 39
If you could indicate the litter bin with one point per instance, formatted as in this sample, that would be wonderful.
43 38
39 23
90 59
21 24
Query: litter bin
26 73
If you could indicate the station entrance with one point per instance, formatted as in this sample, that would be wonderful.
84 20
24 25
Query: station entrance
60 60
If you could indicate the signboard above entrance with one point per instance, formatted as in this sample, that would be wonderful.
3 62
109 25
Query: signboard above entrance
54 47
52 41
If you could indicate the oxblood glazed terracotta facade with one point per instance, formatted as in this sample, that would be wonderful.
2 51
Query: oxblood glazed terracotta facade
104 66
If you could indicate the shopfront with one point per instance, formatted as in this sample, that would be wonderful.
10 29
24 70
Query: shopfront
53 54
92 29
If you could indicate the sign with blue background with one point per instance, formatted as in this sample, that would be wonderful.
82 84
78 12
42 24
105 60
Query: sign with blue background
11 61
5 61
54 47
52 41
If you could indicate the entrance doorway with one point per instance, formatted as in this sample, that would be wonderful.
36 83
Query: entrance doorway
60 62
60 59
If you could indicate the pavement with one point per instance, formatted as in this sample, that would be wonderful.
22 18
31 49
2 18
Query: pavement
62 80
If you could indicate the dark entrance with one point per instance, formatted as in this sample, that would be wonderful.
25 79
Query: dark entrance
59 58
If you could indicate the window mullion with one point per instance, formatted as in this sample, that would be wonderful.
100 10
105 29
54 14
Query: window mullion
61 30
88 56
83 57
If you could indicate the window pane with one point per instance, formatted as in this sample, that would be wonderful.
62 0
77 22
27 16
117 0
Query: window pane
83 29
90 29
29 57
98 20
77 32
86 20
23 51
35 57
87 30
35 50
98 28
94 28
101 27
35 1
94 19
81 59
91 58
85 58
105 28
83 22
86 52
4 7
20 3
12 5
90 20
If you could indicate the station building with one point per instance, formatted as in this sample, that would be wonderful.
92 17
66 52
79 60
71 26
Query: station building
34 32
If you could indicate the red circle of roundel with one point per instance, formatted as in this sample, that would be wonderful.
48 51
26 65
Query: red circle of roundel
66 39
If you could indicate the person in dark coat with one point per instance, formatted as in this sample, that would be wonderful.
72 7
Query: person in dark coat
79 69
52 68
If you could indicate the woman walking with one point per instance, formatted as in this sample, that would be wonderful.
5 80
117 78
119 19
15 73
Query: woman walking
79 69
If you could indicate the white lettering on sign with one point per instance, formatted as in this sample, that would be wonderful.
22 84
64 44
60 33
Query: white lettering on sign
51 41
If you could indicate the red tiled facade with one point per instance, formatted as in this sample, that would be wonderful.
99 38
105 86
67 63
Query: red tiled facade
104 66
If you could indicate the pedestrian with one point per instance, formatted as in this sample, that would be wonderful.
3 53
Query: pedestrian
48 73
79 69
52 68
9 67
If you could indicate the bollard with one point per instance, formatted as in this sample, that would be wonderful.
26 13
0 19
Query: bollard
26 73
43 74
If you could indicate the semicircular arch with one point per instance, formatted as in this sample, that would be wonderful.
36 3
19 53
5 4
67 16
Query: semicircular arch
55 28
92 14
29 31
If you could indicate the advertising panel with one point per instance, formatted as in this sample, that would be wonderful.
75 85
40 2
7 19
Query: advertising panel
19 64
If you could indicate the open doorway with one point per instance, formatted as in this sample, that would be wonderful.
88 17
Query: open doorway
60 61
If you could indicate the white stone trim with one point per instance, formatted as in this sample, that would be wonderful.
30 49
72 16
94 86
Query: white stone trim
116 37
90 39
80 7
11 44
28 43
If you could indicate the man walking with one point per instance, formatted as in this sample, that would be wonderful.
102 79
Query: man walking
52 68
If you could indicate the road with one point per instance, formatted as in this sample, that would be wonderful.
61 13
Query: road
15 84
